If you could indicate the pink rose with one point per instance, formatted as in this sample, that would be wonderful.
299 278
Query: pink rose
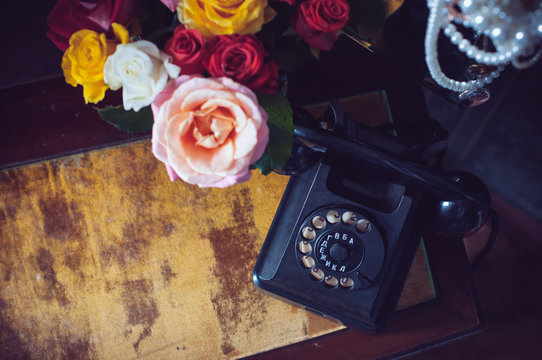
208 131
171 4
70 16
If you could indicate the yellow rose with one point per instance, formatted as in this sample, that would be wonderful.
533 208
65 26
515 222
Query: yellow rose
83 62
220 17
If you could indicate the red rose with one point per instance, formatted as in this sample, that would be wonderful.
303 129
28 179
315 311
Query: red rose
318 21
187 46
69 16
241 58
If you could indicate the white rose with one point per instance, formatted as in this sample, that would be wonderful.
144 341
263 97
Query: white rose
142 70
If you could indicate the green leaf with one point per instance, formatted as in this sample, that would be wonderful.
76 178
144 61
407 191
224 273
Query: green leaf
281 129
315 52
130 121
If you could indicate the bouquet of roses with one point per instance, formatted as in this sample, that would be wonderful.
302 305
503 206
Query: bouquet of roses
207 83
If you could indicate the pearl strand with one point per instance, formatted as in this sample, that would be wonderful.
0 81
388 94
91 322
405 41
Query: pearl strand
514 37
510 25
434 25
472 52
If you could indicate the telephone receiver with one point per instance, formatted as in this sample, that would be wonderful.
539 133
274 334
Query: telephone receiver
461 202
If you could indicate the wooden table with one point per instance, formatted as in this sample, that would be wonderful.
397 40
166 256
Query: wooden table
46 119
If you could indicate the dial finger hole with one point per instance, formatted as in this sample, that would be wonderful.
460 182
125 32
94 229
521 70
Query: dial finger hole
319 222
333 217
307 261
349 218
308 233
304 247
346 282
363 226
331 281
317 274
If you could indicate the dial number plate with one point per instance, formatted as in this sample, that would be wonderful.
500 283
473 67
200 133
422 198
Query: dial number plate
340 251
343 246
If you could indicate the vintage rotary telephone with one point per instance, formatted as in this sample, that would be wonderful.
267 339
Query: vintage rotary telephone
350 220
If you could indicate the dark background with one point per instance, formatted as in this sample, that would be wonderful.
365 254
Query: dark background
500 142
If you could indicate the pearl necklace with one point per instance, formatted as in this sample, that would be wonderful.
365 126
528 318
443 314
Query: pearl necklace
515 33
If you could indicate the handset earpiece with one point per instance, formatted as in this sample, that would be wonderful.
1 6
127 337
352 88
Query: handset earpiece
463 200
462 217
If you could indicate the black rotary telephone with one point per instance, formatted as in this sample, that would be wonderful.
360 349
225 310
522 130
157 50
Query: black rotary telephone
350 220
